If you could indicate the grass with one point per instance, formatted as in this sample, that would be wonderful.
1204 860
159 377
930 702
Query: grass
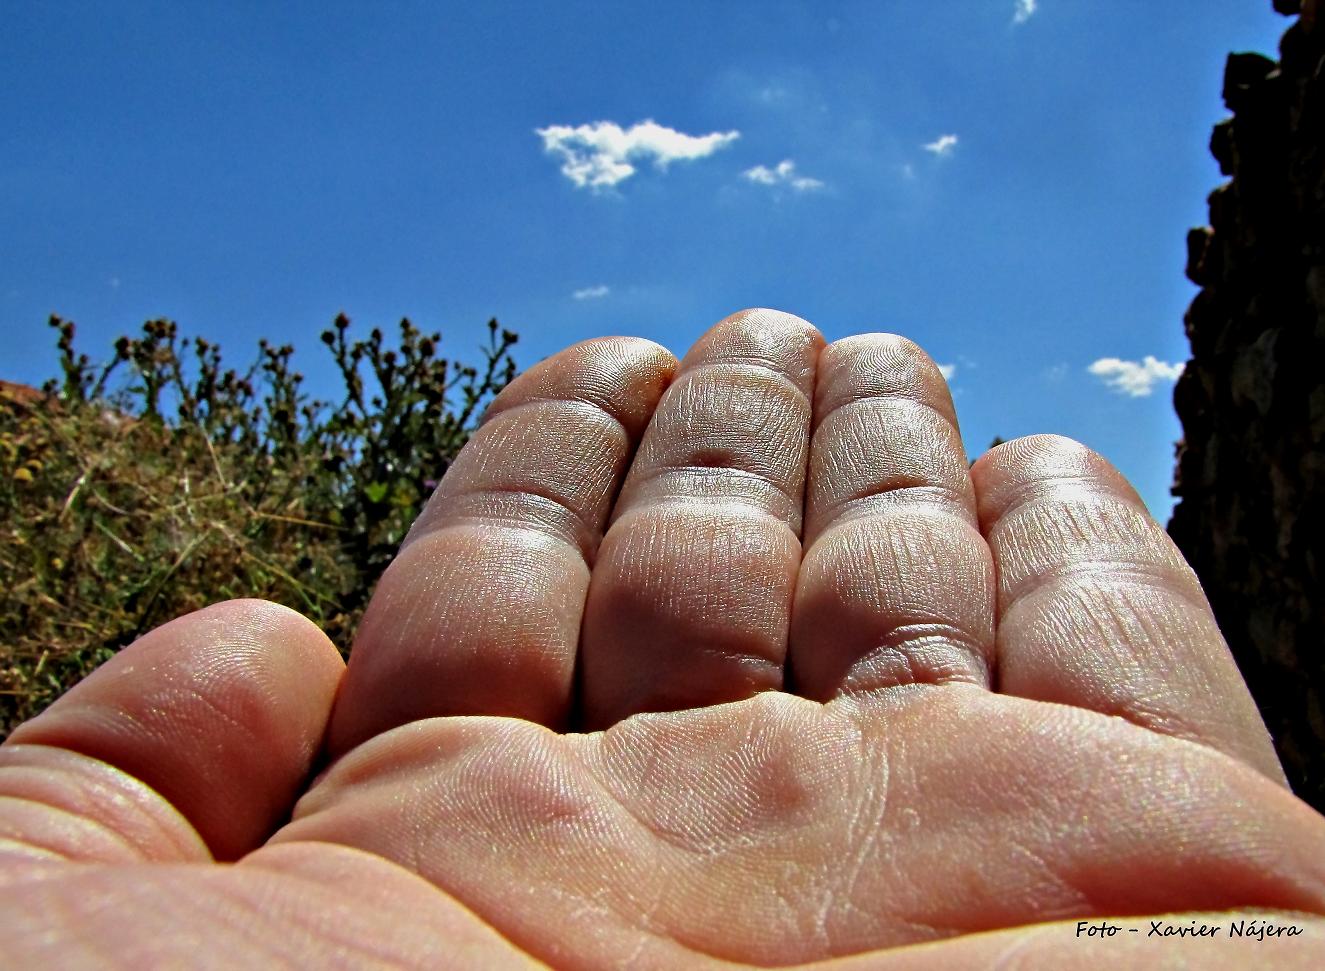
161 481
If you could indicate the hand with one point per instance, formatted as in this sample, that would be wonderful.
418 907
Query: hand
831 696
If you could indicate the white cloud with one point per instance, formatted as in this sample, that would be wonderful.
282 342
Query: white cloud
1132 378
784 173
599 155
949 371
592 293
942 146
1025 10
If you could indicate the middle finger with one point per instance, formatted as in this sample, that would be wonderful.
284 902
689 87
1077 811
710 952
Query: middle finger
690 599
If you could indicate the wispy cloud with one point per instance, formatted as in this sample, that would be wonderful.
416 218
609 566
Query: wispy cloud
784 173
592 293
599 155
1132 378
949 371
942 146
1024 12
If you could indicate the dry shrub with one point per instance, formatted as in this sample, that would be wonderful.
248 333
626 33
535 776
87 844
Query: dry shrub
161 481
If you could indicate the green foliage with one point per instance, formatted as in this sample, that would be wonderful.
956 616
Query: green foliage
161 481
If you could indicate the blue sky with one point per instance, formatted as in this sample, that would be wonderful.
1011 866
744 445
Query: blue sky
1008 183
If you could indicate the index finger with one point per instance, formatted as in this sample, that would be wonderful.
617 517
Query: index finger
479 614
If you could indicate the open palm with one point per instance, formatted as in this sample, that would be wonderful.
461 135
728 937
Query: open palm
731 663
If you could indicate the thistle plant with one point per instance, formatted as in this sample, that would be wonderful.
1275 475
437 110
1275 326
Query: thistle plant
161 480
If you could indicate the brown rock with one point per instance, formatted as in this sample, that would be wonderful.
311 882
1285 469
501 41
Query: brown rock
1250 476
21 392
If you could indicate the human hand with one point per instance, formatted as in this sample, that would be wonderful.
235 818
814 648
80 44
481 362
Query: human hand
979 707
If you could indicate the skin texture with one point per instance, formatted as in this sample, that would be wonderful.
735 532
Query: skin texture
724 662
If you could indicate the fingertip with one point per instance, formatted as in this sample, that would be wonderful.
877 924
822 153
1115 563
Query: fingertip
902 346
880 364
1011 472
270 624
624 376
772 339
230 648
770 315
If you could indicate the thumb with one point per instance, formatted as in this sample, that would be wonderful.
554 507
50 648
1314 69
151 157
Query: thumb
215 717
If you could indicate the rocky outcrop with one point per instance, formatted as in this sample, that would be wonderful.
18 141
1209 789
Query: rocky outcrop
23 394
1251 467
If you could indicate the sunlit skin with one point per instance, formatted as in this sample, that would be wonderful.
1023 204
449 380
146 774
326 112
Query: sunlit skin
731 661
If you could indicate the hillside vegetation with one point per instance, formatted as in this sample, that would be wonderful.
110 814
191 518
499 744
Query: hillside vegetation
163 480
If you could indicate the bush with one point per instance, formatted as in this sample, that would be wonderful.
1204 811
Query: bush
161 481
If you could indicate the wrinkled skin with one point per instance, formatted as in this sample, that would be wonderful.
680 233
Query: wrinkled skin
730 662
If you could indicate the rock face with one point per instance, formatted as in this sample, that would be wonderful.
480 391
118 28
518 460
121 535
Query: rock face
1251 466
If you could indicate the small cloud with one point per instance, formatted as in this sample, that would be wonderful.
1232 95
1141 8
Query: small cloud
942 146
908 171
1056 373
783 174
1136 380
949 371
599 155
113 283
1024 12
592 293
